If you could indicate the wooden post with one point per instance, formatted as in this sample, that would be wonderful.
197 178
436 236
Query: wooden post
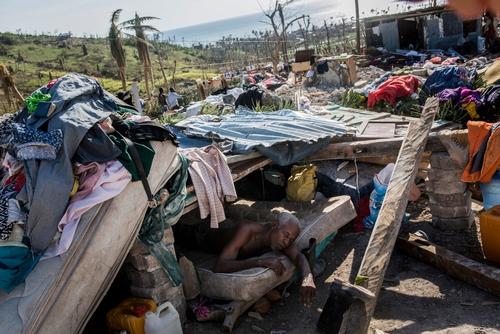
384 235
478 274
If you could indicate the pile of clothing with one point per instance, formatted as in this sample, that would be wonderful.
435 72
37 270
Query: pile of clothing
393 89
72 147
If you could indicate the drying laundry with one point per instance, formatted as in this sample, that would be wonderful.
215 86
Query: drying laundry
484 152
212 182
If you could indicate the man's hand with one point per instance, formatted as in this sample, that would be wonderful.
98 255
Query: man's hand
274 264
308 290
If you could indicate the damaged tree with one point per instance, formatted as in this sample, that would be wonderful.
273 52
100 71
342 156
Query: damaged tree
116 46
280 23
140 29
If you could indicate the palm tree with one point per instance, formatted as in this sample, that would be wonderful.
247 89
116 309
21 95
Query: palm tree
116 46
136 24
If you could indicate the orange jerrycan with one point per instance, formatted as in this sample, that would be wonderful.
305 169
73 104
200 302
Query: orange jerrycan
490 234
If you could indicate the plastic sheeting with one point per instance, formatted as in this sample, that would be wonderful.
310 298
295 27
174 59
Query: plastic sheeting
284 136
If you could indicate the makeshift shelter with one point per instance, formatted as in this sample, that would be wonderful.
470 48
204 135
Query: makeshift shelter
430 28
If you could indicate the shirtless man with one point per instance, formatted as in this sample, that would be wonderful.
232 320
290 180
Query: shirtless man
254 239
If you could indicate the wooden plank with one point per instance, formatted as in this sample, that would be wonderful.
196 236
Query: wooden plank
241 170
232 159
378 253
380 147
458 266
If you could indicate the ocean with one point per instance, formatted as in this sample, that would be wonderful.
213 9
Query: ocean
243 26
319 10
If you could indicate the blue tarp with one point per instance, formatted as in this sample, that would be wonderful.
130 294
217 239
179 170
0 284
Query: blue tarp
285 136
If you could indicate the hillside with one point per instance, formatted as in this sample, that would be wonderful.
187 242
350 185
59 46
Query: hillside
36 58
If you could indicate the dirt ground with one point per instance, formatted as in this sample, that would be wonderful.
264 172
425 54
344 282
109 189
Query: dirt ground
415 298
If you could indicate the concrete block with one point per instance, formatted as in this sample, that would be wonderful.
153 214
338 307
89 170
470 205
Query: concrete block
446 188
139 248
144 279
442 160
451 200
450 212
453 224
443 175
144 262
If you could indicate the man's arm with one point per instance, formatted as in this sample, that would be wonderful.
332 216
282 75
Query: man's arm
307 288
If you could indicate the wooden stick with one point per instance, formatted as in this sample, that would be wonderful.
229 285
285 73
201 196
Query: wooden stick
478 274
384 235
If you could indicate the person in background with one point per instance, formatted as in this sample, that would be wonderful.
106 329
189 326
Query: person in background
173 99
162 99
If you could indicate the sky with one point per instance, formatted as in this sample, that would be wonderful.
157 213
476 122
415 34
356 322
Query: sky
92 16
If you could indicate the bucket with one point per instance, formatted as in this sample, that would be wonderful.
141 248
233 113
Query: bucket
491 192
490 234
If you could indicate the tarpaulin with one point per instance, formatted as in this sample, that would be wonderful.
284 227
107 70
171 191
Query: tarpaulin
285 136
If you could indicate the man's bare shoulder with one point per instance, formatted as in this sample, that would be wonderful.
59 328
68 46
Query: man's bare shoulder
251 227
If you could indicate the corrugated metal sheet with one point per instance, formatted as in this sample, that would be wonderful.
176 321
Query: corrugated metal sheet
248 129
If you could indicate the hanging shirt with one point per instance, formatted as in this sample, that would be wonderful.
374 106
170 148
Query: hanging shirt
212 182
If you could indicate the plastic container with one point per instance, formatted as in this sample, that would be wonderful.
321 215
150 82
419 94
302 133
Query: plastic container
164 321
130 315
491 192
490 234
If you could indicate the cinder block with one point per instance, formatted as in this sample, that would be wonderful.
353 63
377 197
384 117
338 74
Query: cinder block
450 212
442 160
446 188
443 175
451 200
144 279
139 248
453 224
144 262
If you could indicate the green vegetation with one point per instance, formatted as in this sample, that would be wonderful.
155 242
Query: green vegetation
37 59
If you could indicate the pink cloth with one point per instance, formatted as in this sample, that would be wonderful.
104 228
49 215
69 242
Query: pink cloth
98 183
212 181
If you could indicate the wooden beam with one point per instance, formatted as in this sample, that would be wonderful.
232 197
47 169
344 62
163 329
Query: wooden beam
458 266
381 147
378 253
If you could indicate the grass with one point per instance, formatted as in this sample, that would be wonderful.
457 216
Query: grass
37 58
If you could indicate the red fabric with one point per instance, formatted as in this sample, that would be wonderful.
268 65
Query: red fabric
18 180
51 83
363 210
436 60
392 89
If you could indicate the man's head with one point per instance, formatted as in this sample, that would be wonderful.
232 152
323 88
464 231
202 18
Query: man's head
161 90
284 233
172 90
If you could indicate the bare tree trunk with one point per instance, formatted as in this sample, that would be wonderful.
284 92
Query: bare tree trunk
358 29
328 37
173 73
123 78
160 61
146 80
